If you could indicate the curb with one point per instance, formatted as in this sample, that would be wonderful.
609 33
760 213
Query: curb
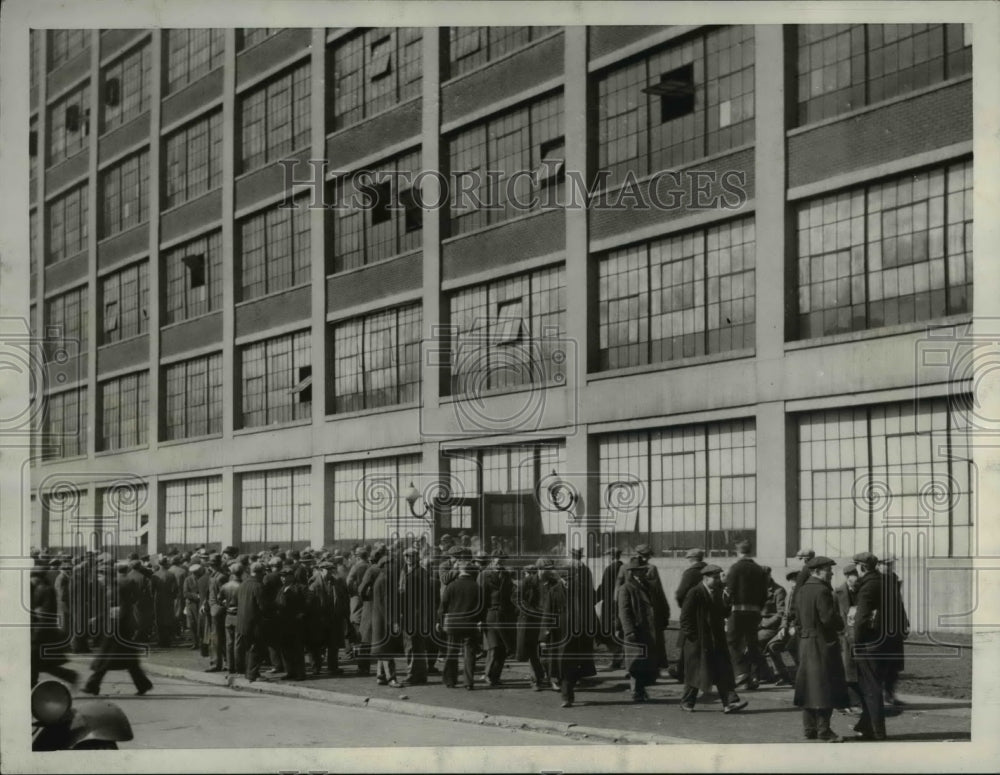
407 708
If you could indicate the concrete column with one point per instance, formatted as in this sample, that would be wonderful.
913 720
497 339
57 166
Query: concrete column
153 272
771 251
93 208
37 322
156 533
776 466
229 535
580 469
317 535
317 220
229 375
434 310
769 100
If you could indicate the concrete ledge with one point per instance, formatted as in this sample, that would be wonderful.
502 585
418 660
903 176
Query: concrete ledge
405 707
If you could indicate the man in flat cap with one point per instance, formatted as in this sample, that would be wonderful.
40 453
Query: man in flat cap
789 626
192 610
179 572
164 585
690 578
460 613
228 594
582 580
290 610
770 619
869 643
846 596
820 685
706 653
638 624
746 587
897 628
216 614
610 626
270 629
498 593
529 623
567 638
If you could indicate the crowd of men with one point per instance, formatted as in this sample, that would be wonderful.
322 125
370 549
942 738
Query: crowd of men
292 613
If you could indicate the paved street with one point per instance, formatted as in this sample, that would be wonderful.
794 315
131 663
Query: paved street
770 718
184 714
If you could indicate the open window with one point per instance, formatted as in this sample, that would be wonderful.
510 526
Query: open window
112 92
195 270
509 326
676 92
110 316
304 386
33 143
72 118
381 58
381 204
413 213
552 165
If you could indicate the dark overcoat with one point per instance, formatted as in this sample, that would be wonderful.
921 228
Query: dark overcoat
706 654
365 589
896 620
819 681
606 597
528 598
387 639
417 601
119 649
498 596
845 599
567 652
635 612
251 608
690 578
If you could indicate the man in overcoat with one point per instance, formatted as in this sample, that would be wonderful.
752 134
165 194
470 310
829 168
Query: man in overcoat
706 653
690 578
897 628
416 604
498 591
567 640
251 611
820 685
192 607
460 613
638 624
528 598
610 626
845 595
869 645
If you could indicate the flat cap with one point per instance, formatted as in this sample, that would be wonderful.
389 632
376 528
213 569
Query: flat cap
792 575
805 554
614 551
324 564
865 558
636 564
743 546
409 551
545 563
766 569
711 570
695 554
850 568
889 559
194 567
256 568
819 562
235 567
642 549
274 561
576 551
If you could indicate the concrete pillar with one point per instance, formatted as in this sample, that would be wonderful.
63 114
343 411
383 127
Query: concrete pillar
580 470
317 536
776 465
229 534
153 271
318 217
228 245
93 208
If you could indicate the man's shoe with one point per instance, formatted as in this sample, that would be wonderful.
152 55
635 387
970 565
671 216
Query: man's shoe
381 682
433 671
536 687
567 704
470 687
830 737
689 707
143 690
753 684
809 735
394 684
742 679
555 684
90 690
733 707
213 669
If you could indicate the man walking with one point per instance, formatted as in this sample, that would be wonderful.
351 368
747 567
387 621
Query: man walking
746 587
690 578
529 624
819 684
498 590
611 632
706 655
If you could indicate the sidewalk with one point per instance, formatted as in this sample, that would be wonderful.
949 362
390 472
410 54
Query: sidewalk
603 711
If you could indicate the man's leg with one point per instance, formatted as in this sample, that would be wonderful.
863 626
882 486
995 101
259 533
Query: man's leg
689 696
219 640
139 677
93 685
231 648
757 665
240 652
416 658
809 723
470 647
872 723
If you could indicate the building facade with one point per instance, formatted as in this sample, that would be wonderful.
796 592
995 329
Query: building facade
725 344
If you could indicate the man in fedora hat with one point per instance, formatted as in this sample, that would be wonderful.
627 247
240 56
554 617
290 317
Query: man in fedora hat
610 626
638 624
706 653
820 685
